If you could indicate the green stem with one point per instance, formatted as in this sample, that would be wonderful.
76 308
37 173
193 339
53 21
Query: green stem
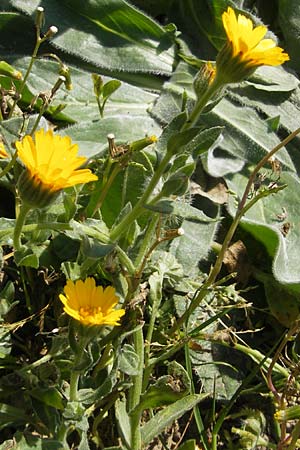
106 187
126 261
101 109
201 103
155 308
62 435
138 208
37 121
38 226
146 241
39 40
212 276
136 391
198 418
75 374
24 210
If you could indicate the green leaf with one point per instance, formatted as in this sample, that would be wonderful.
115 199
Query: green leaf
80 103
123 421
9 415
29 441
50 396
110 87
188 445
183 210
214 366
199 231
26 257
273 79
166 389
108 34
168 415
7 298
94 250
128 360
241 141
201 24
280 236
180 139
288 15
284 304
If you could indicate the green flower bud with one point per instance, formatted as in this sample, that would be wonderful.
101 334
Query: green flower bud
291 413
98 84
204 78
9 71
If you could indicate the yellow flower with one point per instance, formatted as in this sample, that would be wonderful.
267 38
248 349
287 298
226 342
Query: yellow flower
52 161
246 49
248 42
3 152
91 304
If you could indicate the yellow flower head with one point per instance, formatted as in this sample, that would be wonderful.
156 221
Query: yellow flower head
52 161
248 42
3 152
246 49
91 304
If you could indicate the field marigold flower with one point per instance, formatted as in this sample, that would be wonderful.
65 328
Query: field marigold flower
91 304
52 164
3 152
245 49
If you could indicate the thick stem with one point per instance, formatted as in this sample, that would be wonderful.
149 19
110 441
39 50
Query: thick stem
75 374
74 385
106 187
201 103
136 391
24 210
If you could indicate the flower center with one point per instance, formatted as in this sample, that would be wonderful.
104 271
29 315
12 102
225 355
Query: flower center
86 311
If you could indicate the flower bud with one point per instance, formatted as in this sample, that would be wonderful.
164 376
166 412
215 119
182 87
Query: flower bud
65 72
204 78
53 30
136 146
9 71
98 84
291 413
